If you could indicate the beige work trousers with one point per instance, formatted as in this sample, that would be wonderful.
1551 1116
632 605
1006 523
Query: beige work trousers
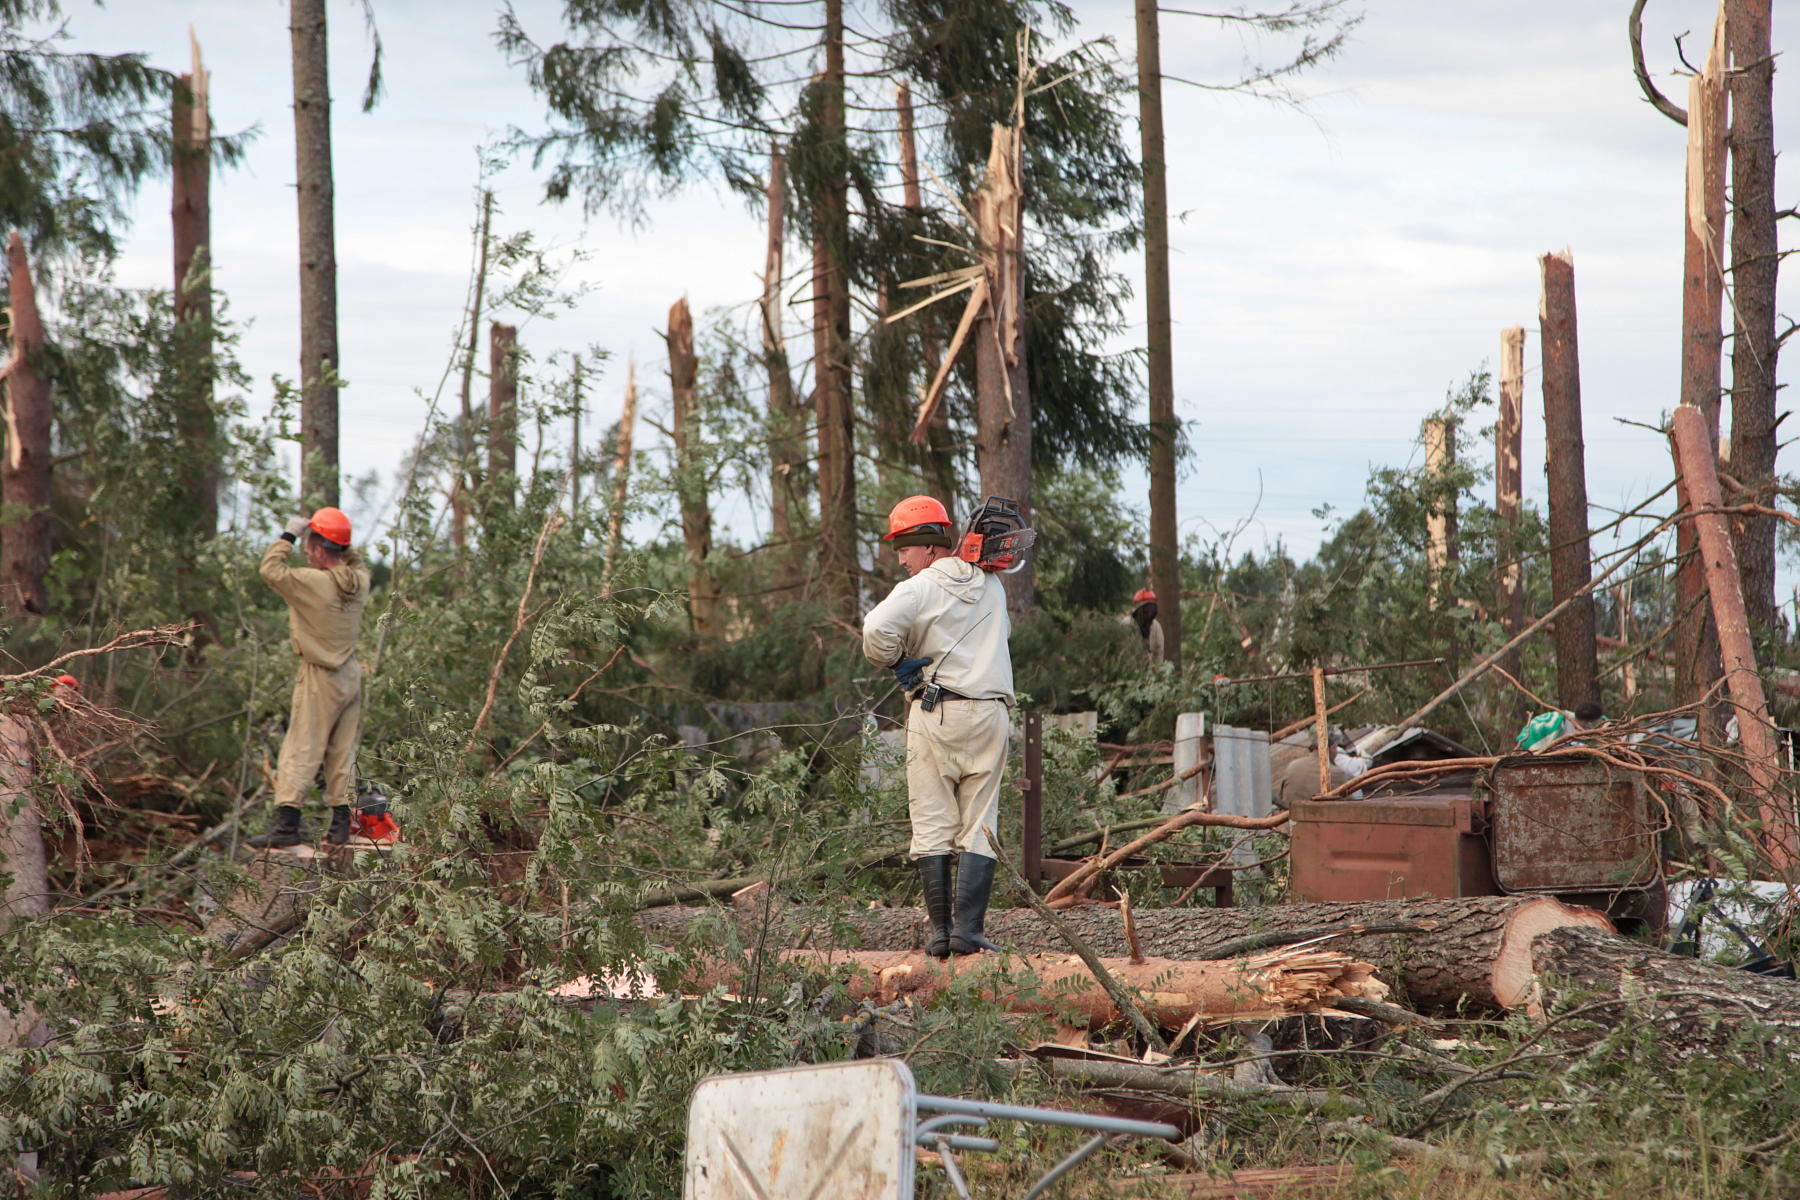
955 761
324 728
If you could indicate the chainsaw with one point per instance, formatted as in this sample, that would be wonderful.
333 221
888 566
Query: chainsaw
996 537
371 818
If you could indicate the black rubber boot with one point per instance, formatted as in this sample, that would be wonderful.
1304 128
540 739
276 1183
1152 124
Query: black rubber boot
285 832
339 833
934 872
974 881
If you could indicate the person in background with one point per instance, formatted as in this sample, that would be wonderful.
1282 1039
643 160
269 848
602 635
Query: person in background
1143 615
1547 727
325 601
1299 780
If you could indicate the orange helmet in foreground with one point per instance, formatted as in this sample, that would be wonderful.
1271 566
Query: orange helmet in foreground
915 511
1144 596
332 525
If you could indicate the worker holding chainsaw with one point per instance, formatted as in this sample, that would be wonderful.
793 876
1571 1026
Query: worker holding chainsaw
325 601
944 631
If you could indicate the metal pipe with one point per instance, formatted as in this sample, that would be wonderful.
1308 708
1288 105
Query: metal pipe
1065 1166
1417 662
1046 1116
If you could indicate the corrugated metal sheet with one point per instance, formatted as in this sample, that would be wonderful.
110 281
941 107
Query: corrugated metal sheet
1241 772
1189 729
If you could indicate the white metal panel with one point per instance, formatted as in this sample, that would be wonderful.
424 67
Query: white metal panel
837 1132
1189 729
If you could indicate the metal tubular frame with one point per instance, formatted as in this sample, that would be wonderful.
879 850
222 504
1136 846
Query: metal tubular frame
979 1112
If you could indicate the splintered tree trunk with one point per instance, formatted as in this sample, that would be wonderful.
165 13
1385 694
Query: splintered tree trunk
191 221
942 460
787 441
690 470
1478 948
1577 656
615 517
503 413
318 256
1509 600
1003 395
1165 550
1691 1003
832 347
21 832
25 466
1702 296
1755 263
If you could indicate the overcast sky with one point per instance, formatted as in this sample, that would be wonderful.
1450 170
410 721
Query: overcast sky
1335 271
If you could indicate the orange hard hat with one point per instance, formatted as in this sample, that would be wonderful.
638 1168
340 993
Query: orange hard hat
332 525
69 681
915 511
1143 596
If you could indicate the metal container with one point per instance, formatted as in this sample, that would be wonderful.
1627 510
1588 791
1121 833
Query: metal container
1572 824
1430 845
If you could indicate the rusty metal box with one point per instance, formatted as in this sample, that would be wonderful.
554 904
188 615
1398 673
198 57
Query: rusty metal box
1390 849
1572 824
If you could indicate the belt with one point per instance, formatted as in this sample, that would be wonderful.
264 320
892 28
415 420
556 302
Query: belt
945 693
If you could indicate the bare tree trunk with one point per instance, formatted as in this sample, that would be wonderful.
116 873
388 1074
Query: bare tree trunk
832 348
942 460
25 467
575 464
1003 394
191 222
1694 458
318 256
690 471
468 470
1165 550
787 435
21 832
1509 599
615 520
1577 657
1755 263
1440 523
503 413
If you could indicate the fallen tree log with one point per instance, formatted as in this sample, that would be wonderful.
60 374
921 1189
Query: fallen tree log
1171 992
1692 1001
1187 1082
1476 949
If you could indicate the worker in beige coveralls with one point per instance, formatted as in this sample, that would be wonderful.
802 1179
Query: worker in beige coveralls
944 632
325 601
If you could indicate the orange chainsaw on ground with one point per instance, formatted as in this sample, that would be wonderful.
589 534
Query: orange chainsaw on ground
996 537
372 818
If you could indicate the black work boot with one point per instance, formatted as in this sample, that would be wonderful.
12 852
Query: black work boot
974 880
934 872
285 832
339 833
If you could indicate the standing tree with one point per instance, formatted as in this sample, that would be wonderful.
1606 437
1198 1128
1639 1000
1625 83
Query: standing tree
25 459
314 189
191 219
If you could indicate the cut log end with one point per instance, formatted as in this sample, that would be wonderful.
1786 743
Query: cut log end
1514 978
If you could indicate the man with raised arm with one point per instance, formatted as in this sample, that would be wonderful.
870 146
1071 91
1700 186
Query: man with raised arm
325 601
944 633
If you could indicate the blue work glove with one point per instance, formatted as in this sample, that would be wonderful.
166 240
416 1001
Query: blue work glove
911 673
